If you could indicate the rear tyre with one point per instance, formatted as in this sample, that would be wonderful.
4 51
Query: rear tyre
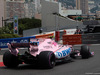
10 60
85 52
47 59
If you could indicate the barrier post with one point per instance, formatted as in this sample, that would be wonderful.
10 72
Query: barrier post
64 31
57 36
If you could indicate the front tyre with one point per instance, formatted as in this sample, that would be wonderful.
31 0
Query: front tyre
85 52
10 60
47 59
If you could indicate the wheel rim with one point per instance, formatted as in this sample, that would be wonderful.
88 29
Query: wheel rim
52 60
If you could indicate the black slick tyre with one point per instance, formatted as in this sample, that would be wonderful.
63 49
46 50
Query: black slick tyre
47 59
10 60
85 52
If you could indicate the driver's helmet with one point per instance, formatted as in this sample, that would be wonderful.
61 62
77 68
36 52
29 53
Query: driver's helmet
51 37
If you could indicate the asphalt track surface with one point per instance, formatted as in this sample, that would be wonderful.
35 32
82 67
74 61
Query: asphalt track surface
78 66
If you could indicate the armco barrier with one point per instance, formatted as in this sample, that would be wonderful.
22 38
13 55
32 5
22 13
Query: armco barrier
61 34
93 38
45 35
72 39
3 42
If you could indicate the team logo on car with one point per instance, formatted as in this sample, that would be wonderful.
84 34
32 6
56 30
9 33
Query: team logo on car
63 53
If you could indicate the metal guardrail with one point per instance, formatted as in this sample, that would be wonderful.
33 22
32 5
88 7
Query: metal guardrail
61 34
3 42
93 38
72 39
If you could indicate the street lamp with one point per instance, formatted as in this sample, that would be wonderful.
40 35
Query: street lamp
77 24
5 20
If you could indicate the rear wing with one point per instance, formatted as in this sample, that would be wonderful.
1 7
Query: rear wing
25 45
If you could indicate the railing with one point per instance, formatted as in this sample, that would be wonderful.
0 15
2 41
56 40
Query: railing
93 38
72 39
3 42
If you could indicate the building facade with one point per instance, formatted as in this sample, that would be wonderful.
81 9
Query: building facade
51 21
22 8
2 11
15 8
29 8
78 4
98 14
82 5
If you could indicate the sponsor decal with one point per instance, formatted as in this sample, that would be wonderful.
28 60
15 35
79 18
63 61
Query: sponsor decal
63 53
3 43
47 47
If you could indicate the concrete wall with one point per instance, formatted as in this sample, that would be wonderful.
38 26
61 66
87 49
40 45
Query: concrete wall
66 23
48 19
91 22
50 22
30 32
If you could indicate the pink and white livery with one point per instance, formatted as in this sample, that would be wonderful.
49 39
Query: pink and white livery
43 52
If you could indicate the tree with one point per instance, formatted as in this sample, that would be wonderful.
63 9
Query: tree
23 24
4 30
27 23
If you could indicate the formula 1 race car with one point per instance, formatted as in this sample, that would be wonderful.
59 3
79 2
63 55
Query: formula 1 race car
44 52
